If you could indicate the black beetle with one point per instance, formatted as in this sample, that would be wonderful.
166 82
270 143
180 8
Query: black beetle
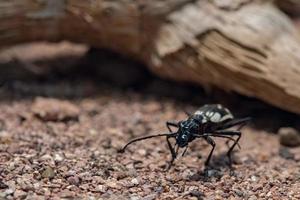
211 120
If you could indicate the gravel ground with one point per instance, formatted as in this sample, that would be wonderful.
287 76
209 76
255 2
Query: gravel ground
65 145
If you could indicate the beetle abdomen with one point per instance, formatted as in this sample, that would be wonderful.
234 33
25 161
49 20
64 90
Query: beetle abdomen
215 113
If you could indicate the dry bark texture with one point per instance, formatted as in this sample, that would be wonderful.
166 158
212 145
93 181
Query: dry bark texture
240 45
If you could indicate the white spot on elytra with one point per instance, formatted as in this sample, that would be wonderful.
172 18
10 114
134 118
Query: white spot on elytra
228 116
198 112
216 117
209 114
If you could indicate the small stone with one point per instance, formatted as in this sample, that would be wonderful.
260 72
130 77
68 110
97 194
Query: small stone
254 178
112 184
74 180
142 152
91 198
58 158
11 184
36 186
187 174
93 132
286 154
47 158
135 181
150 197
9 191
135 198
289 137
48 173
20 194
101 188
196 193
253 197
214 173
67 194
239 193
49 109
3 185
71 173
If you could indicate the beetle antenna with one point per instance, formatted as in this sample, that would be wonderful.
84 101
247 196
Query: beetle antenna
146 137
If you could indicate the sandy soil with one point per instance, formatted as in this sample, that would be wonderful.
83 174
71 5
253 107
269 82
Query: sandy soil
65 145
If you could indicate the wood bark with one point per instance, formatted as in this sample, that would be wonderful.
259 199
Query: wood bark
244 46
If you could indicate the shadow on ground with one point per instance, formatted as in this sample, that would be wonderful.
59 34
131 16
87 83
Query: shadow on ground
100 70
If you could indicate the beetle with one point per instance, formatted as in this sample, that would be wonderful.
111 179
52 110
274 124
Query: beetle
210 120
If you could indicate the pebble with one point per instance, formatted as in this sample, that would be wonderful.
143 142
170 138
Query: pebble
135 198
3 185
91 198
150 197
58 157
36 186
71 173
67 194
49 109
214 173
186 174
253 197
48 173
289 137
46 157
20 194
9 191
254 178
239 192
74 180
112 184
135 181
101 188
197 193
286 154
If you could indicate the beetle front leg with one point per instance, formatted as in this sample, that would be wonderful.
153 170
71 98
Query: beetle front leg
231 133
173 153
169 124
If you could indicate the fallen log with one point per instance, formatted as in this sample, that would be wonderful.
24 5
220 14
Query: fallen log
245 46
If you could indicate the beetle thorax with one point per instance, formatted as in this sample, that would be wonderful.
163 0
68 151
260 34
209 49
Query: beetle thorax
185 132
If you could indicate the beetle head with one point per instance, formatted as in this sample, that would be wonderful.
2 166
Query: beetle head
183 134
182 140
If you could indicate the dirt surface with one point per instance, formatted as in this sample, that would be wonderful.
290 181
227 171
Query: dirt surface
73 154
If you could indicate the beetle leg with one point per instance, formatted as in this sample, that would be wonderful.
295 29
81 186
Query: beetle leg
185 150
231 139
210 141
230 133
217 135
169 124
173 153
171 148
